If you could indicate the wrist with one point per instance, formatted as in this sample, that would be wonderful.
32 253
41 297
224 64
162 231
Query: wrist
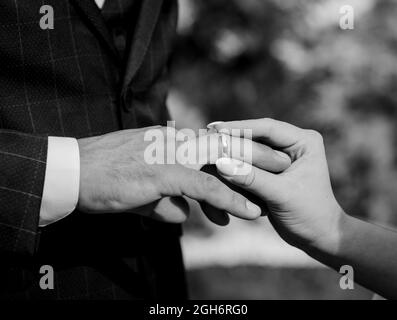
83 198
329 242
93 169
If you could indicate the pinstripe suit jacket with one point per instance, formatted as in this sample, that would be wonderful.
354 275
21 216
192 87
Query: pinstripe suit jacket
85 77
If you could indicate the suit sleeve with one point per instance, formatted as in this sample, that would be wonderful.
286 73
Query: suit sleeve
22 173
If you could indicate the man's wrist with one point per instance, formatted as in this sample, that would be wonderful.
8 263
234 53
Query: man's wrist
85 201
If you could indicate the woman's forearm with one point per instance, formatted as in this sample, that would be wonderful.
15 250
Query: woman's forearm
369 249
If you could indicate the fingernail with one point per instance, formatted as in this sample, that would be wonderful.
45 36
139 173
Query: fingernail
253 208
212 124
227 166
283 155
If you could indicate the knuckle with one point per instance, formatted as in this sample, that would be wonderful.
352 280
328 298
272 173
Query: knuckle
211 183
267 120
163 129
172 130
202 184
171 134
194 181
314 136
248 180
168 132
236 200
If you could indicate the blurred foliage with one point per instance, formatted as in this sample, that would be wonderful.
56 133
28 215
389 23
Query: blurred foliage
239 59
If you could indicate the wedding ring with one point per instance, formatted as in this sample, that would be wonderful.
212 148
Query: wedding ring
224 145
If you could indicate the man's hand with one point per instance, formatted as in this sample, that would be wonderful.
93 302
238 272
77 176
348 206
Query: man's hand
115 178
300 200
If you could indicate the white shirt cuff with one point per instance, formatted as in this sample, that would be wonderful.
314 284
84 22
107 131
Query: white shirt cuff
62 180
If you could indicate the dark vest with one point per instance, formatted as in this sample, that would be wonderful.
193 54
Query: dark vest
118 16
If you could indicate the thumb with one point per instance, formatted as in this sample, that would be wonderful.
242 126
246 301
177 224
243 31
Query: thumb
260 182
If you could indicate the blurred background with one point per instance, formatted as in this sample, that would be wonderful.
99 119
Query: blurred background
239 59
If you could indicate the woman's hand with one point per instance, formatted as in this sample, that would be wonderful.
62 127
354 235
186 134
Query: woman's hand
300 200
148 171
